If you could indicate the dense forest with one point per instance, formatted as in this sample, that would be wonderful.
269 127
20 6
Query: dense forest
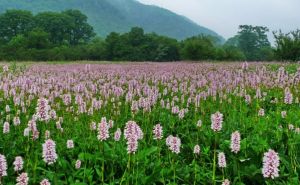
118 15
67 35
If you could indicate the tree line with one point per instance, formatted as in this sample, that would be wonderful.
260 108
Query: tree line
67 35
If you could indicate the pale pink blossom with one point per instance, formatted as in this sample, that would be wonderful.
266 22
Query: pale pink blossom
70 144
157 132
270 164
103 130
49 152
132 134
117 135
3 166
78 164
235 142
6 128
174 144
42 109
216 121
199 123
22 179
226 182
18 164
45 182
197 149
261 112
222 160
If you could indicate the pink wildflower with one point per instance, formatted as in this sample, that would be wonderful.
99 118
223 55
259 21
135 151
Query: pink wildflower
174 144
216 121
3 166
22 179
18 164
132 134
70 144
49 152
78 164
117 135
158 132
45 182
197 149
103 130
270 164
221 160
235 142
226 182
6 128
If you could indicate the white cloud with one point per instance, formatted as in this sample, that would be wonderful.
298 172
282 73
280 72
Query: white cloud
224 16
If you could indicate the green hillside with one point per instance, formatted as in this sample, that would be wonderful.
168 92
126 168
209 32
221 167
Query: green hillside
118 15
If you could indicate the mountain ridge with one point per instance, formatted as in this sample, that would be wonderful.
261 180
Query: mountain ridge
119 16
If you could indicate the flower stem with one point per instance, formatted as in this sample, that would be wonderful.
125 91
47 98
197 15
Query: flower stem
214 165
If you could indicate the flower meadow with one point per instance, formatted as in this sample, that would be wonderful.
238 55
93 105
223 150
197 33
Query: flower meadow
150 123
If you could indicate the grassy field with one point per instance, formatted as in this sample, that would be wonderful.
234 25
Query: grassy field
85 123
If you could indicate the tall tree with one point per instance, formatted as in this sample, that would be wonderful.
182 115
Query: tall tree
80 31
58 25
15 22
251 39
198 48
38 39
287 45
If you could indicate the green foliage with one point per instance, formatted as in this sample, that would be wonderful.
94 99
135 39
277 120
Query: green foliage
38 39
80 31
138 46
288 45
208 48
107 16
15 22
198 48
67 35
253 42
56 24
69 27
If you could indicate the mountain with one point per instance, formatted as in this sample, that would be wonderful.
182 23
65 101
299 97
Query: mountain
118 16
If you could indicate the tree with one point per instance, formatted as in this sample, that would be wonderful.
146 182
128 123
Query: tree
81 31
287 45
232 53
251 39
198 48
58 26
15 22
38 39
96 49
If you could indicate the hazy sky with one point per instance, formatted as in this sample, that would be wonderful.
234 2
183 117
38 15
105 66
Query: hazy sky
224 16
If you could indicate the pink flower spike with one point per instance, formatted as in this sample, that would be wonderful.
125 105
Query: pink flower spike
49 152
270 164
174 144
18 164
22 179
216 121
221 160
157 132
235 142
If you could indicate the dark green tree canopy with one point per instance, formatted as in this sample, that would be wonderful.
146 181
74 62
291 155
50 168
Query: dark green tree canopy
253 42
251 39
198 48
80 31
58 25
15 22
287 45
